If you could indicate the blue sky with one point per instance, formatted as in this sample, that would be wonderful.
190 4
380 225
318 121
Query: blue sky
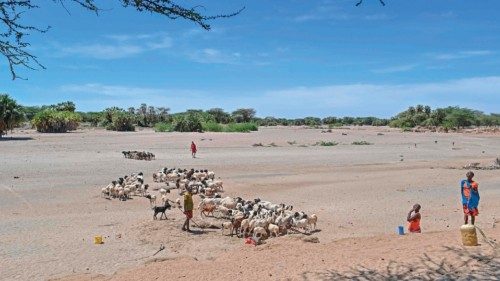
286 58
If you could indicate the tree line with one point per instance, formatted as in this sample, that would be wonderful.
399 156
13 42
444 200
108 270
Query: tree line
63 117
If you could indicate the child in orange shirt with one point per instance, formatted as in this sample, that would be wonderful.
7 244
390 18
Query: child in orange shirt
414 219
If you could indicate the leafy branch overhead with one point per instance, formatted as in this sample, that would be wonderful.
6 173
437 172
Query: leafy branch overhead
13 33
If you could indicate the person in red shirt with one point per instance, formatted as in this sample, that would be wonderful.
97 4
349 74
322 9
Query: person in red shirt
193 149
414 219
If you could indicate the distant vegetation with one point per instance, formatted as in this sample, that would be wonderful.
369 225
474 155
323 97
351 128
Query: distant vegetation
448 118
62 117
10 114
58 118
361 143
326 143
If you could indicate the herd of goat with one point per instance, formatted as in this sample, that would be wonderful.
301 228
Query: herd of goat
139 155
243 217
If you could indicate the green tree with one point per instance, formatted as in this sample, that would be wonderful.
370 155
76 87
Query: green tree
65 106
190 122
219 115
411 110
461 117
121 121
427 110
30 111
10 114
243 115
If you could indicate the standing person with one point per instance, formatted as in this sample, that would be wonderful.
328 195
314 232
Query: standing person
470 198
414 219
188 209
193 149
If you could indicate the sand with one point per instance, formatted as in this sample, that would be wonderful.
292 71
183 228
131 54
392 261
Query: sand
50 204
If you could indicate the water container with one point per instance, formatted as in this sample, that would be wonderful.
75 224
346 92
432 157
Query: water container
469 236
97 239
401 230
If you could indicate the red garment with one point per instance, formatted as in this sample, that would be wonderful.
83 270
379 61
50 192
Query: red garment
189 214
470 212
414 226
193 147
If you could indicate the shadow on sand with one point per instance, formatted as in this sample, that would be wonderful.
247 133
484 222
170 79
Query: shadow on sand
462 265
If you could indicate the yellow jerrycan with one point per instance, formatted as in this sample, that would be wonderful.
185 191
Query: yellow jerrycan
469 235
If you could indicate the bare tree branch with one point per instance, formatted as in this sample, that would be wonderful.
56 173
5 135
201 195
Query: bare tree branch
361 2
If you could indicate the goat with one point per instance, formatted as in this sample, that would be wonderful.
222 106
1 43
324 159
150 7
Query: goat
161 209
152 199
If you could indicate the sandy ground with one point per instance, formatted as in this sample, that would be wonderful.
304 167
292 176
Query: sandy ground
50 206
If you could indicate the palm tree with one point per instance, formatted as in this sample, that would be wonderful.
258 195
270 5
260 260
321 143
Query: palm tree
10 114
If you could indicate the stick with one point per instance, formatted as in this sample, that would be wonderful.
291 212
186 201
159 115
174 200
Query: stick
161 249
192 221
486 238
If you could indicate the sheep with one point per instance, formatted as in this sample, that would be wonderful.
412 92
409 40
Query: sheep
273 229
105 192
228 202
312 220
164 191
301 224
259 223
227 225
223 210
152 199
259 232
207 209
245 226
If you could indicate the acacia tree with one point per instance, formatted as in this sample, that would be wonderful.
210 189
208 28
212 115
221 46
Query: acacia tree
13 32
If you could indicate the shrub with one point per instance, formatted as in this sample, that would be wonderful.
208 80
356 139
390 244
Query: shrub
94 118
212 127
190 122
121 121
326 143
241 127
53 121
361 143
163 127
10 114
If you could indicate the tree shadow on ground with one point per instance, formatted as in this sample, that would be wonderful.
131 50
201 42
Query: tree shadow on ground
15 138
461 265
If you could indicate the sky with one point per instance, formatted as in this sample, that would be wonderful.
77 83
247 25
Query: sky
285 58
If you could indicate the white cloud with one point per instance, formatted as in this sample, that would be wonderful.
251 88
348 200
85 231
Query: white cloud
382 100
461 54
210 55
119 46
376 17
397 68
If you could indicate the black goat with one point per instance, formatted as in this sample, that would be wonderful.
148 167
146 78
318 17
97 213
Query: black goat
161 209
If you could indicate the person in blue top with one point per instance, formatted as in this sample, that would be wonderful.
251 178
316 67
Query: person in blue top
470 198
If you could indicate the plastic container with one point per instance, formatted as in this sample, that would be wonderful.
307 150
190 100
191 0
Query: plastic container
469 235
98 239
401 230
